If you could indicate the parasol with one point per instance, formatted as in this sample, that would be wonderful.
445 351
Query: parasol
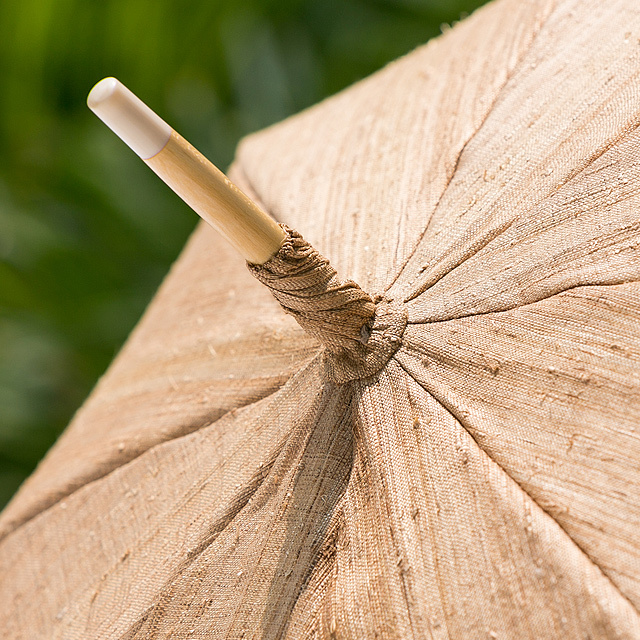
469 466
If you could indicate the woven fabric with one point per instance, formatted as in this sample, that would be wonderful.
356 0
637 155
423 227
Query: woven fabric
477 473
338 313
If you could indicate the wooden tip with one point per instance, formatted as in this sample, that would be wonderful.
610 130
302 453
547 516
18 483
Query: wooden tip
196 180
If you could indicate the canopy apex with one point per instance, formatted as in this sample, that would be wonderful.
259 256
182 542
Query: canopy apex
359 332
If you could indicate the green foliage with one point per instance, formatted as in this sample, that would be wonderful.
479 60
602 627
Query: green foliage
86 230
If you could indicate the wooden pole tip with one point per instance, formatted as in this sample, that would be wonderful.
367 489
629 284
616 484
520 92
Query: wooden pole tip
129 118
199 183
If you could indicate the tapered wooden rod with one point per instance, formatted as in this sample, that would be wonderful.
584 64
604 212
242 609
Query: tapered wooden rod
196 180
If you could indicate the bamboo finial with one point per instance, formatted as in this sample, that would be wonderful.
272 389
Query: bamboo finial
196 180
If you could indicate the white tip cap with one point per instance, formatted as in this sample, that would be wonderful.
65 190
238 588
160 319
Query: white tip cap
129 118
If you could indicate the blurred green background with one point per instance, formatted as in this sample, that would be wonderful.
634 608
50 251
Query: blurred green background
86 230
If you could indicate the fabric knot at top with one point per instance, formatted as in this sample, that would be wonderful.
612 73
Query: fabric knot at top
360 334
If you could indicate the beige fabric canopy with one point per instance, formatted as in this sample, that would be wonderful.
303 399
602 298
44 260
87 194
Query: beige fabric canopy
473 470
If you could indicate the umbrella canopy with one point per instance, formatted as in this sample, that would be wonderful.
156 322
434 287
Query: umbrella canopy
468 466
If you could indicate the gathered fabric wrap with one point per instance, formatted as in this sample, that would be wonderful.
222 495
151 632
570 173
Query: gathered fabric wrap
359 333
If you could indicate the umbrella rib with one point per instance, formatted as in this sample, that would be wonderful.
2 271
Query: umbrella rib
461 420
345 419
559 292
494 234
437 204
205 424
439 578
233 508
481 124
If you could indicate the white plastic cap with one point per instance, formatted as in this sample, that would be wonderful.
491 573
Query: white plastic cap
129 118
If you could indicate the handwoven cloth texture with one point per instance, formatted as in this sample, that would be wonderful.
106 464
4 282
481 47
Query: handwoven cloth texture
484 483
338 313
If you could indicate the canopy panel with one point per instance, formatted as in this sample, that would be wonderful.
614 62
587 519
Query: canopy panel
483 478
